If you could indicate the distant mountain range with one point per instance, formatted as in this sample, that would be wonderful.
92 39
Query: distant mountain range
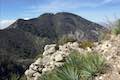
22 41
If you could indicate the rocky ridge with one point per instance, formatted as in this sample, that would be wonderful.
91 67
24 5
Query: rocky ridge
53 56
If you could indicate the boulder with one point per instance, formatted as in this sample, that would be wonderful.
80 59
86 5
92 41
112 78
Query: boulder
29 73
49 49
58 57
36 76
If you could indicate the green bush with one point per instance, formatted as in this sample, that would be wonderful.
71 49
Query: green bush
92 65
16 77
86 43
64 39
78 67
116 30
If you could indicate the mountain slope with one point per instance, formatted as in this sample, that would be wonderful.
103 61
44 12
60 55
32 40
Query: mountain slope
25 39
58 25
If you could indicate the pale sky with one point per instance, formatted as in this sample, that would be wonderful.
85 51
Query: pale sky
94 10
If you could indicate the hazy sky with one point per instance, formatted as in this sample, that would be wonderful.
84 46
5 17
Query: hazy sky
94 10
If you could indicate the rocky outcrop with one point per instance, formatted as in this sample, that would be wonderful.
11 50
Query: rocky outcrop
110 49
55 57
51 58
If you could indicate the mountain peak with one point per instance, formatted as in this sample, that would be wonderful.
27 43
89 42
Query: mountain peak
65 13
46 14
62 23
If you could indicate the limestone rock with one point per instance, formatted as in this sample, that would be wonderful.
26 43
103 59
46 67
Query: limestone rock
29 72
109 49
58 57
49 49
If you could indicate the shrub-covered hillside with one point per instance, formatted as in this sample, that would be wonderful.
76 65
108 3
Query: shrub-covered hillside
24 40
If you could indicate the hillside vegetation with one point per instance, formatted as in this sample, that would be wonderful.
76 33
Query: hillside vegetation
78 67
66 46
116 28
23 41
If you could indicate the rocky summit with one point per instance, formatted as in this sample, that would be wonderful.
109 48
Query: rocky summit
54 57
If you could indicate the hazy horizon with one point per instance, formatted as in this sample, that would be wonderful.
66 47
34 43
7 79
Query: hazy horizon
94 10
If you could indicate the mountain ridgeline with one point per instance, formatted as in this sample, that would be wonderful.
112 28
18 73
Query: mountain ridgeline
23 40
53 26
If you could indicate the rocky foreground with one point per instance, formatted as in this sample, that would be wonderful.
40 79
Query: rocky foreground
53 56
